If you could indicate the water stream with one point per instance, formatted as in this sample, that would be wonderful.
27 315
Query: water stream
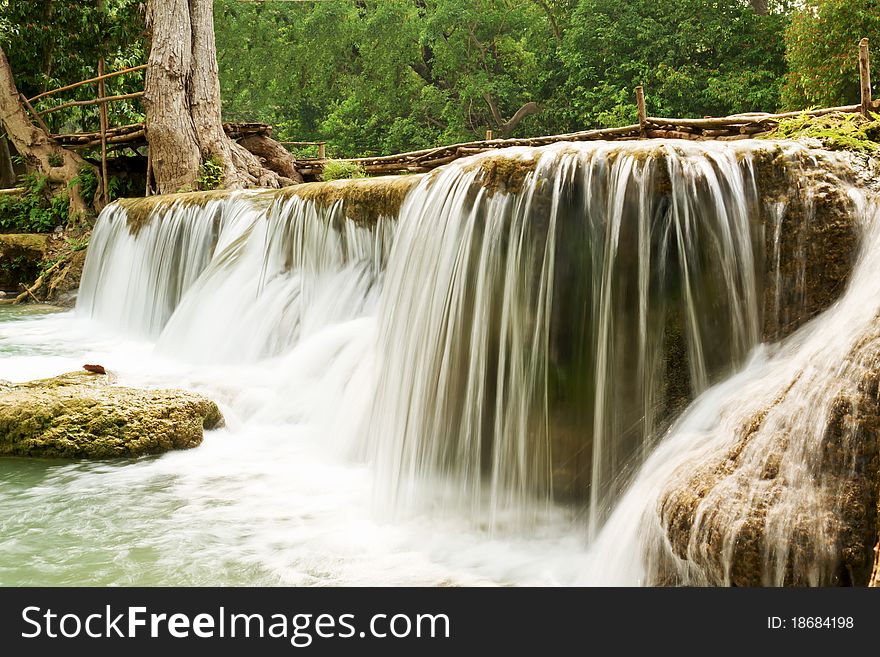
458 391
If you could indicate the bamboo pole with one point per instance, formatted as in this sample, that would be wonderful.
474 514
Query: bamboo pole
865 77
36 115
102 101
89 81
101 90
640 101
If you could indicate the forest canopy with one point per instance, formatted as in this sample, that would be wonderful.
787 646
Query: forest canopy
383 76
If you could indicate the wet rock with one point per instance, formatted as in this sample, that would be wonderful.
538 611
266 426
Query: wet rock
82 415
715 513
810 239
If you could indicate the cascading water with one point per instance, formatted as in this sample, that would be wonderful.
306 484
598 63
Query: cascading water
502 340
532 306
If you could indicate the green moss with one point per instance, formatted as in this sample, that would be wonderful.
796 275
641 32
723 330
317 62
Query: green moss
141 211
82 415
838 131
503 173
363 200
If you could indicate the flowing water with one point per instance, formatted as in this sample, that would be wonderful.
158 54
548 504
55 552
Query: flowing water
455 391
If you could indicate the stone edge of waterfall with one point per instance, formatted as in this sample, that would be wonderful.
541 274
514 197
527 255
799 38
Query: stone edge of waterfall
364 200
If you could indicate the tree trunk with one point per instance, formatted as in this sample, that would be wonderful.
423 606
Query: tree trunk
169 127
761 7
39 150
7 172
182 102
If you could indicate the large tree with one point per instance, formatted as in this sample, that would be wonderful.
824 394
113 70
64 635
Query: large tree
182 102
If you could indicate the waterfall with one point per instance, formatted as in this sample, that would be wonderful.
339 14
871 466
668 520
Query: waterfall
767 479
532 322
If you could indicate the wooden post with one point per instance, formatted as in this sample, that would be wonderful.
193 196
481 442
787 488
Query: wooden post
865 76
488 135
640 101
322 150
149 170
103 110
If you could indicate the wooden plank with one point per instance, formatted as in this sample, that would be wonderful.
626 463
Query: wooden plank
89 81
865 77
133 138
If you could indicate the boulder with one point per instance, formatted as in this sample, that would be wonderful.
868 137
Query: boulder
83 415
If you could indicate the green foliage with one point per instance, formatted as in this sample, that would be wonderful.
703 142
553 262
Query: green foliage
35 211
77 244
87 181
387 75
210 174
52 44
822 50
340 169
17 267
384 76
838 131
692 57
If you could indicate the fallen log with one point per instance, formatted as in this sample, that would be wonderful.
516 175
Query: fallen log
32 290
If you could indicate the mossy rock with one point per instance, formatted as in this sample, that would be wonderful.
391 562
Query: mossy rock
364 200
82 415
20 257
838 131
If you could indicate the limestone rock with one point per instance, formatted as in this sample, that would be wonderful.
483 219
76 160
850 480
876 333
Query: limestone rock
82 415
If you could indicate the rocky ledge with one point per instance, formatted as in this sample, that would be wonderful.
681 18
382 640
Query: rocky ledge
83 415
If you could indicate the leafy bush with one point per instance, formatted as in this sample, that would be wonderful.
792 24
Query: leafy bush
35 211
210 174
88 183
341 170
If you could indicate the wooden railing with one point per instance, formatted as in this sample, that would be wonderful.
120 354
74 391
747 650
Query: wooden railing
101 99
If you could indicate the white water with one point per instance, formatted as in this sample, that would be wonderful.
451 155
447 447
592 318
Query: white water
393 416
